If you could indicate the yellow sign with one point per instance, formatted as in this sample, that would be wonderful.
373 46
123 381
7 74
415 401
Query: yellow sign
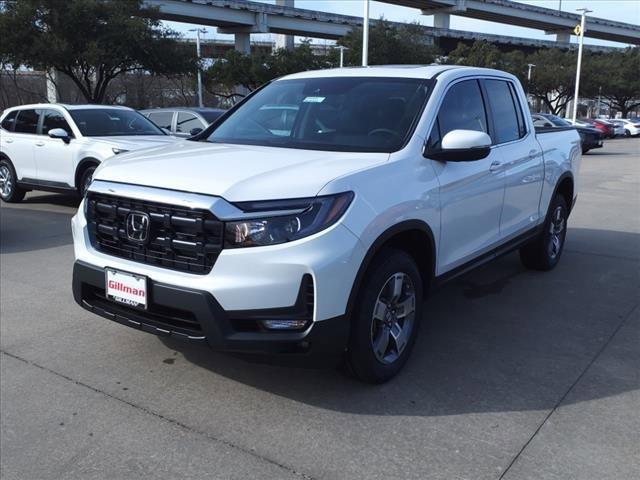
577 30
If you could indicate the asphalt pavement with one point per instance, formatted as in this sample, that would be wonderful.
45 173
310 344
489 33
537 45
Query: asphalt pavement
516 374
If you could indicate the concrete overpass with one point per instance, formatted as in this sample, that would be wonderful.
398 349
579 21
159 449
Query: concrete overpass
243 17
549 20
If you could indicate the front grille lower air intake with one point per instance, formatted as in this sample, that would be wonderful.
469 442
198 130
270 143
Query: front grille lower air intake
179 238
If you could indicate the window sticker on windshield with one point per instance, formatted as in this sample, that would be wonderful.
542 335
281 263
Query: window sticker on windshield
314 100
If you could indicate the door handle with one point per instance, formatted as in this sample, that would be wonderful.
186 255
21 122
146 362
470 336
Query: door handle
39 144
495 166
9 140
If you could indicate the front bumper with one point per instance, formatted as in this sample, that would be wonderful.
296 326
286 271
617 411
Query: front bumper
196 316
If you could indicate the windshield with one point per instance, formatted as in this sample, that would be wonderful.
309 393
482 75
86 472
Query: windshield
107 122
557 121
354 114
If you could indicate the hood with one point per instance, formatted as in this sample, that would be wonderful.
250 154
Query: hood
235 172
136 142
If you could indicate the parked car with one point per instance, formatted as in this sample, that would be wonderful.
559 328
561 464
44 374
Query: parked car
57 147
618 127
321 234
631 127
183 122
591 138
604 126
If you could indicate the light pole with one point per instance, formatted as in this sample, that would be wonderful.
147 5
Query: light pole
581 41
531 66
342 48
198 32
599 99
365 35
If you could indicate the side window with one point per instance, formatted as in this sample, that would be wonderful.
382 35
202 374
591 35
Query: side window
503 109
187 122
53 119
162 119
27 121
522 126
7 122
462 109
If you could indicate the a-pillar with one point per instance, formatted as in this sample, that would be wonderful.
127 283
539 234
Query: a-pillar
243 42
441 20
285 41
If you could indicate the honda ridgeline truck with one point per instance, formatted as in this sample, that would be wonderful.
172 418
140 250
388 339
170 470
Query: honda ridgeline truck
312 218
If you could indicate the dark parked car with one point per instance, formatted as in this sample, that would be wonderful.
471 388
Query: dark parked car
591 137
183 122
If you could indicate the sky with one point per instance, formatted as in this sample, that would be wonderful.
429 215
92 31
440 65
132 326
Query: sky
627 11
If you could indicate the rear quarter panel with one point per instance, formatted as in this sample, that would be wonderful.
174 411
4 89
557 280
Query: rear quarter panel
562 153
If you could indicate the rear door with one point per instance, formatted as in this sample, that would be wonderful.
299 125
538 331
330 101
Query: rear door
54 157
471 193
522 160
23 144
163 119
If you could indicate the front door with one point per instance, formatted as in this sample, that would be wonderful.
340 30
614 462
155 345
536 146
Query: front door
54 158
471 193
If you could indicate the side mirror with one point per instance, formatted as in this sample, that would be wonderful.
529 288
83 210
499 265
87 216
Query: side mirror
462 146
60 133
195 131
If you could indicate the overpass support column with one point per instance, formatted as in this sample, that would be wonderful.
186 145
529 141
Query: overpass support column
441 20
243 42
285 41
563 37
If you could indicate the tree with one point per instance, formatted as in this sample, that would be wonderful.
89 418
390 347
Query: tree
251 71
389 44
553 78
618 74
91 41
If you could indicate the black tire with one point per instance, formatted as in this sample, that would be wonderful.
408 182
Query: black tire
10 192
584 150
545 251
85 180
362 362
627 133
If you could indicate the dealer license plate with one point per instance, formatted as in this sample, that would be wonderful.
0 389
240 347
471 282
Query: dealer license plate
126 288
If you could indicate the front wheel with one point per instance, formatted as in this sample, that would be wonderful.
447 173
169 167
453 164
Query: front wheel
86 179
544 252
386 320
10 192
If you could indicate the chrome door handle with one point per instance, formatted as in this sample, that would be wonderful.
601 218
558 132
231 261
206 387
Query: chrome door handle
495 166
39 144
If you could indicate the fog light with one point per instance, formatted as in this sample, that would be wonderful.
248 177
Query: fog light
284 324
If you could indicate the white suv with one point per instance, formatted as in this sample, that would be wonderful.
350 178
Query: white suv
314 217
57 147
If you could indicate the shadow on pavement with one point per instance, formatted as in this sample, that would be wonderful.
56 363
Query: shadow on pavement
59 199
501 338
25 230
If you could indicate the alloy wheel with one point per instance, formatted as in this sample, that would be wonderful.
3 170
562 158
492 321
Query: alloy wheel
556 232
6 181
393 318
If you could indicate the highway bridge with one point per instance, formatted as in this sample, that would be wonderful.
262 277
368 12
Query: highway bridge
243 18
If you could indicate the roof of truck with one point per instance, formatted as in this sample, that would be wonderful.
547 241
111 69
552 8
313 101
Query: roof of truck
395 71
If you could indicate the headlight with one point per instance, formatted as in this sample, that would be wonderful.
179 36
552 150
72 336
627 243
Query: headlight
118 150
312 215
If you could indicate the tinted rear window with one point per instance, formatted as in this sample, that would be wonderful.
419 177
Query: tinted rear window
27 121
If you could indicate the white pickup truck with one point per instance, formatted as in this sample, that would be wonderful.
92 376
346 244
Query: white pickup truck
313 217
57 147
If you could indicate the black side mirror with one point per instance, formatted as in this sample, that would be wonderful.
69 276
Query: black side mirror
60 133
195 131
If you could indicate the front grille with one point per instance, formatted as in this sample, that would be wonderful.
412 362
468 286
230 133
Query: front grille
179 238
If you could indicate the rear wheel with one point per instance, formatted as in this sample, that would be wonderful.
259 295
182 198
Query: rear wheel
386 320
544 252
9 190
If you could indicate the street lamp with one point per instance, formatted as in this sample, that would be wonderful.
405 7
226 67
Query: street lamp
365 34
531 66
342 48
198 32
581 41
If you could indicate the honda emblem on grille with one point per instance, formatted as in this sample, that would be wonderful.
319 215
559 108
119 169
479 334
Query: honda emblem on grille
138 226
